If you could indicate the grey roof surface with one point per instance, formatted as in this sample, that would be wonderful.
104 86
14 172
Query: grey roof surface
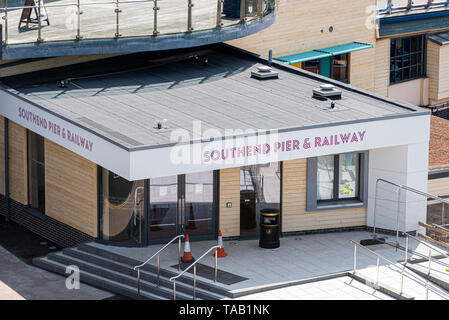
125 107
440 38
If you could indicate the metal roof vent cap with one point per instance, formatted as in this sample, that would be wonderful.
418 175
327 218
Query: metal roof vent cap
327 91
264 72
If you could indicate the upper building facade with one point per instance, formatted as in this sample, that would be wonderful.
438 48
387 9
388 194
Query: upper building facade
97 27
396 48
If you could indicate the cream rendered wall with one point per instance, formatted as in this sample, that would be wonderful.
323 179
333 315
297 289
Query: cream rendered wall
414 91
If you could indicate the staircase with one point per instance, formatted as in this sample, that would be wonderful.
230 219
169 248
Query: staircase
114 273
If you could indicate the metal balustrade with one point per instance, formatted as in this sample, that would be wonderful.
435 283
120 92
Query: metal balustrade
194 271
393 266
398 189
79 20
157 254
393 6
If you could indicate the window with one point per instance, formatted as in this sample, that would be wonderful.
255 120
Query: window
123 214
312 66
340 67
338 177
407 56
36 172
337 181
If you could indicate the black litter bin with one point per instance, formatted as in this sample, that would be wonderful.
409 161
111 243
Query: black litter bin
270 228
248 209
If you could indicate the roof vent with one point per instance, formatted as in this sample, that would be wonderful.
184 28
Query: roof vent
327 91
264 72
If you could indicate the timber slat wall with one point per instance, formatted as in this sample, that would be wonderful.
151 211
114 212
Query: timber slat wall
438 72
70 188
229 191
438 187
17 163
294 197
382 67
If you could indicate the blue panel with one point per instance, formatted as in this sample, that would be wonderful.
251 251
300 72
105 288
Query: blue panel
323 53
304 56
345 48
326 67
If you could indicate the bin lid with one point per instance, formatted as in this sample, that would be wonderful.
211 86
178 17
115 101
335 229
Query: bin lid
271 212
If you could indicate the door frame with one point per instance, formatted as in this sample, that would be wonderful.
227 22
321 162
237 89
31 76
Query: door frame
181 214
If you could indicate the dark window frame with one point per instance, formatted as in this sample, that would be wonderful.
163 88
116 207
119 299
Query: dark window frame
313 204
29 208
419 66
348 57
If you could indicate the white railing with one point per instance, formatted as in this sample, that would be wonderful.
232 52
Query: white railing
428 286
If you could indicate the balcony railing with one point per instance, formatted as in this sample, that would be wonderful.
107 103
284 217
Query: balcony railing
393 6
102 19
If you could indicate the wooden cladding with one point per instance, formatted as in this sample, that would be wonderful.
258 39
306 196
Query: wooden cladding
229 192
294 197
18 185
71 188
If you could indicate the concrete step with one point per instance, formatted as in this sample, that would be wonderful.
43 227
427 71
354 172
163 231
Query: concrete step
90 261
186 278
117 277
96 281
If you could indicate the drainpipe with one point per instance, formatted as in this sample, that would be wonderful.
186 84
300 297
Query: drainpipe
6 170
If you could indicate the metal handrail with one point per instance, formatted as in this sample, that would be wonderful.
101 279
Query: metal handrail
427 285
158 261
407 235
194 271
269 5
399 188
410 6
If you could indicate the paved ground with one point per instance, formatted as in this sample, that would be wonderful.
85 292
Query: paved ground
20 280
343 288
304 256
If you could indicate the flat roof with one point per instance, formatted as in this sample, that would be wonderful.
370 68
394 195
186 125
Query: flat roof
125 104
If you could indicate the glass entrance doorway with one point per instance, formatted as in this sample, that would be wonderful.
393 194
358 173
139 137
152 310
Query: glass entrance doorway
260 188
183 204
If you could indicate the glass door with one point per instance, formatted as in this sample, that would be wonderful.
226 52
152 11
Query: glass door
182 204
163 208
199 205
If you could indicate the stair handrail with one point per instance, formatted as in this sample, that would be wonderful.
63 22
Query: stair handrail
179 237
407 235
399 188
194 271
412 275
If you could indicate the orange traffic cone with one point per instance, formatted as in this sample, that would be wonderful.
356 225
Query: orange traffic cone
191 225
154 223
220 251
187 256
